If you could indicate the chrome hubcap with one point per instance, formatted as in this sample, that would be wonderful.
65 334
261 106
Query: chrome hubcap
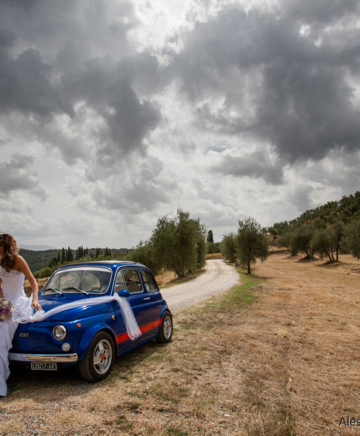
102 356
167 325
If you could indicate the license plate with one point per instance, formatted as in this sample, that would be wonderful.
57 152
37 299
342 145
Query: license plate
35 366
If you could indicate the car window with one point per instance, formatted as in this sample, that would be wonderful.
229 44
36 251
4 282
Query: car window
132 280
120 284
67 279
90 282
79 279
149 282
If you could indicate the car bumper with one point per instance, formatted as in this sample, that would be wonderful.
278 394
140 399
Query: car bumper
28 357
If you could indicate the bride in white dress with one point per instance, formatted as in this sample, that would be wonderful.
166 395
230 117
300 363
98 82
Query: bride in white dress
13 271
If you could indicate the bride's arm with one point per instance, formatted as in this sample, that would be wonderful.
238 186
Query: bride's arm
21 265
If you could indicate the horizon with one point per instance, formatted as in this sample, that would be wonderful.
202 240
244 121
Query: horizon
22 247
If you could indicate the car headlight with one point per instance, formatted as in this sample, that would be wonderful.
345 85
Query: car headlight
59 332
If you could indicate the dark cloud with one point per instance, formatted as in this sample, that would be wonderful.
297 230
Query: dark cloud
277 85
320 11
89 62
187 147
257 165
132 200
144 192
25 86
107 88
131 119
300 197
16 175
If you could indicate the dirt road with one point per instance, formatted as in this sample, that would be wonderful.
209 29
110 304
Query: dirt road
217 278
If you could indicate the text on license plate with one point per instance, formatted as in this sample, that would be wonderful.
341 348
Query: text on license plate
35 366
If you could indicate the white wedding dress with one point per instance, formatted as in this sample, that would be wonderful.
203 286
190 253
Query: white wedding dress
13 290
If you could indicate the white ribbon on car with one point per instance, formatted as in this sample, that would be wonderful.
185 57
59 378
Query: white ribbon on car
132 326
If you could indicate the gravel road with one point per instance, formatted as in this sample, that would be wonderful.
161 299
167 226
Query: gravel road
217 278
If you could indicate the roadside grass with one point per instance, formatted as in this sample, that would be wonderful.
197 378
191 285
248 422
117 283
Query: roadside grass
208 314
237 297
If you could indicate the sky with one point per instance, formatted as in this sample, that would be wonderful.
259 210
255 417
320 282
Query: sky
116 113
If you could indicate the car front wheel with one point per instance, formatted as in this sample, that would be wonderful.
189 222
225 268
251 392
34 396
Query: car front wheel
166 328
99 358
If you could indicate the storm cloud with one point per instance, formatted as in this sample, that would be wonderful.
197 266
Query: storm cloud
16 175
123 111
46 84
258 164
274 83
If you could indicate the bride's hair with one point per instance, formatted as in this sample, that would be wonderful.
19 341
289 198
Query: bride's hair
10 251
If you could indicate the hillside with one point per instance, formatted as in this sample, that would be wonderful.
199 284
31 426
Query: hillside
345 210
38 260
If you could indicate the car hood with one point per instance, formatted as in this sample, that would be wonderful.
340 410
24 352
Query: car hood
74 313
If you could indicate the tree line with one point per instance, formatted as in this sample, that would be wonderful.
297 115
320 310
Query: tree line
326 230
325 242
81 254
181 243
69 255
178 244
345 211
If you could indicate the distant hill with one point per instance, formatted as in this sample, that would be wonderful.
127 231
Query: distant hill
345 210
38 247
39 259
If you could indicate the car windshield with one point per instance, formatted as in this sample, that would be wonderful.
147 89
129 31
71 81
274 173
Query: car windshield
87 280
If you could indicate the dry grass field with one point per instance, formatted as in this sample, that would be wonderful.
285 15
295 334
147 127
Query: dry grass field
276 355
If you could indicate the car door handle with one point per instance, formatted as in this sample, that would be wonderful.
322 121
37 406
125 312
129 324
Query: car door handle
147 298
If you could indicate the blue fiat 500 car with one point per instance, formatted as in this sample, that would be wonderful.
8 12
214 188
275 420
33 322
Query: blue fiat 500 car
92 335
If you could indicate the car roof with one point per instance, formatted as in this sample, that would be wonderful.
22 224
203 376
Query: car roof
110 263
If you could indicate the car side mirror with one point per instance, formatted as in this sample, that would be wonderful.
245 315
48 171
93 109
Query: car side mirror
124 293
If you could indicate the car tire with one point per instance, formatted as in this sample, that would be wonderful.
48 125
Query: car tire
99 359
166 328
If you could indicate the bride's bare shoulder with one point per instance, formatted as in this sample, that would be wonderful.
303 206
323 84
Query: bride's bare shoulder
19 262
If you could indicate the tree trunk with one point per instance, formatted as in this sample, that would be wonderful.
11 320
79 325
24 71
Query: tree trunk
249 271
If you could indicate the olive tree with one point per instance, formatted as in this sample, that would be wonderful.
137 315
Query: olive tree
179 243
251 243
351 238
213 247
322 244
285 240
336 235
301 241
228 247
144 253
